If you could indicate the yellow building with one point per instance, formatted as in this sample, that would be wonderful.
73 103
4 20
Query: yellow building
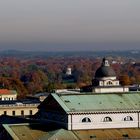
9 105
19 108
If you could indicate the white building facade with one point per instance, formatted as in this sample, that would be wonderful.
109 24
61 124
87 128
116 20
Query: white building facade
99 111
103 121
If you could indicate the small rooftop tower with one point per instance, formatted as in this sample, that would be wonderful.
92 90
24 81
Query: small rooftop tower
105 62
68 71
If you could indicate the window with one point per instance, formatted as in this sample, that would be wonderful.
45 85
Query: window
101 83
13 113
22 112
5 112
107 119
30 112
86 119
109 83
128 118
5 98
117 83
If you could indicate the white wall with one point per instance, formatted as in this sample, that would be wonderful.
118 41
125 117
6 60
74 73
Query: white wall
97 121
9 110
9 97
110 90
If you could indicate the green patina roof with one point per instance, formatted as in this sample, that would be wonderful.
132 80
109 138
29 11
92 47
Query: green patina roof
98 102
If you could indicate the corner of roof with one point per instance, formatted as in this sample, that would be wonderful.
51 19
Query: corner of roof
60 101
10 131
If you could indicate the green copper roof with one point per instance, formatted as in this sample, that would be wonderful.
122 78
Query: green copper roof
65 107
98 102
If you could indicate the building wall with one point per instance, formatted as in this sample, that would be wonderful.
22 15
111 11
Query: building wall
58 118
8 97
97 121
139 120
19 111
110 90
109 83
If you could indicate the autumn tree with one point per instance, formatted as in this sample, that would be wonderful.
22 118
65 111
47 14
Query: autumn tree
124 80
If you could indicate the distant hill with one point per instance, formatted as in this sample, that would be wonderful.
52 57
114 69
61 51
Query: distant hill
40 54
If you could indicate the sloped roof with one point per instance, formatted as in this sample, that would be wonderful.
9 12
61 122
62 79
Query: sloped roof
109 134
27 132
98 102
24 131
60 134
6 91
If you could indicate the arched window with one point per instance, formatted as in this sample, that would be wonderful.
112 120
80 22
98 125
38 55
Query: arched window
128 118
107 119
86 119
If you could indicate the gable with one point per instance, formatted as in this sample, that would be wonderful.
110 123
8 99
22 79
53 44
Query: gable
50 104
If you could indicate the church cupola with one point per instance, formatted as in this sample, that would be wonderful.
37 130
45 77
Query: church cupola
105 76
105 70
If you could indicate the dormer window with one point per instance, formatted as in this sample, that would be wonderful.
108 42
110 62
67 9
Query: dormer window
106 63
128 118
86 120
107 119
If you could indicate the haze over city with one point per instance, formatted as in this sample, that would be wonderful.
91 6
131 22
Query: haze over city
69 25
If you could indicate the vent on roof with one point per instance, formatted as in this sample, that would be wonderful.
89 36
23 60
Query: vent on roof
91 137
125 135
67 101
73 109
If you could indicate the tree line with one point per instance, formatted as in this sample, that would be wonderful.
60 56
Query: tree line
31 76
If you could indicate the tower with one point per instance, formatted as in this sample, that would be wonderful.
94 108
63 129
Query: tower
105 79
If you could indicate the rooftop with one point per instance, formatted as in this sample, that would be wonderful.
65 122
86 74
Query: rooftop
6 91
36 131
24 102
98 102
105 70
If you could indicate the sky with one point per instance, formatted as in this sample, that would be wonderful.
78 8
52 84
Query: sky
57 25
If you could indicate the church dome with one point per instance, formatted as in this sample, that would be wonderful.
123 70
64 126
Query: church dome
105 70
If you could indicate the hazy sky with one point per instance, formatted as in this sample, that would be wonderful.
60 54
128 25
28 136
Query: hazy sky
69 24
